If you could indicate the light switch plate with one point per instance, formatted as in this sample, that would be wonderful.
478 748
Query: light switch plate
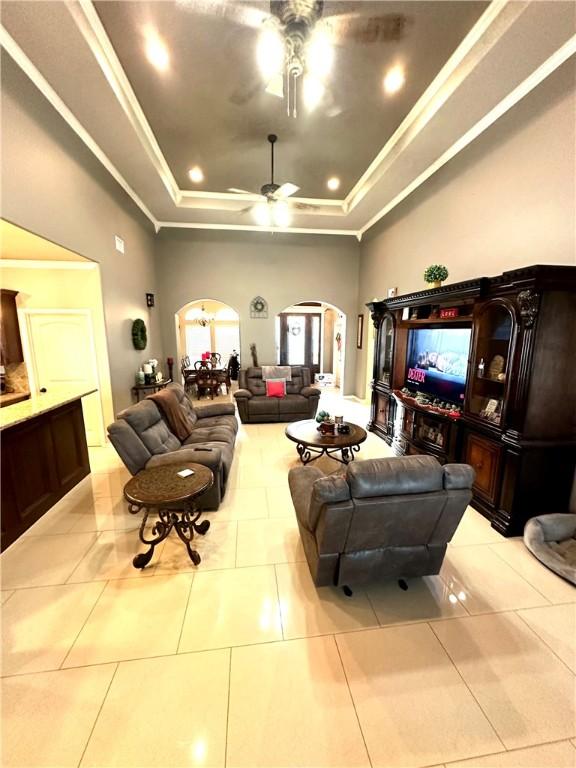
119 243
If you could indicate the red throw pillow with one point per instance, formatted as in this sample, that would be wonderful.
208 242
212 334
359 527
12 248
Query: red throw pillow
275 387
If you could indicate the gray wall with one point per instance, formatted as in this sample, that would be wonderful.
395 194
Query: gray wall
235 267
507 201
53 186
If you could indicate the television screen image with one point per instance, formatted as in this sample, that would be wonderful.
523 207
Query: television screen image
437 362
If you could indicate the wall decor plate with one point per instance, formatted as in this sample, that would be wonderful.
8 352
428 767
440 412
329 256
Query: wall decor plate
258 308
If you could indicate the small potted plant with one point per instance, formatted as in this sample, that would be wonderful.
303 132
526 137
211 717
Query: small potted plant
435 274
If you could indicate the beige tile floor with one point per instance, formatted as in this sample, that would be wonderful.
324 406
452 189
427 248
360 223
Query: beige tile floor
243 662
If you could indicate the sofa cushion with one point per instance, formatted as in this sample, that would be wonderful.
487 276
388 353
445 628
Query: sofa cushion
226 452
146 420
293 404
300 379
264 405
210 434
215 409
395 476
254 382
219 421
184 400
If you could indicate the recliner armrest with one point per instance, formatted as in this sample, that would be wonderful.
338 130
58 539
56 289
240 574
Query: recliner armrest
242 393
309 391
301 481
458 476
215 409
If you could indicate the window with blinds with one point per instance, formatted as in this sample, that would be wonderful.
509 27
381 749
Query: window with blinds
221 336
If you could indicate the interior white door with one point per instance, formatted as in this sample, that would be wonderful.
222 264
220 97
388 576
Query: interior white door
64 357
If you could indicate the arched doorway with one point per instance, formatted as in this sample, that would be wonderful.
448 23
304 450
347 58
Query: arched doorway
207 325
313 333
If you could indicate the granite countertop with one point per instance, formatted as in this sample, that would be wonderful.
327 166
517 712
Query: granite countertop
37 404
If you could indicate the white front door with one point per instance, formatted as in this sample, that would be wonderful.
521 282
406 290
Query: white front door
64 357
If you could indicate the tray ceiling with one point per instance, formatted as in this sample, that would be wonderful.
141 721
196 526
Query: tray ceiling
465 64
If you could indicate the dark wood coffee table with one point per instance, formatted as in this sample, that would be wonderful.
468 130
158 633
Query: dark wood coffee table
312 444
161 491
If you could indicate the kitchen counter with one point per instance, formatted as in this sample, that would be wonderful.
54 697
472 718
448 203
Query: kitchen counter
37 405
44 455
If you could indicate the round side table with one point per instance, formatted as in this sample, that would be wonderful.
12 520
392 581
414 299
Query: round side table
162 491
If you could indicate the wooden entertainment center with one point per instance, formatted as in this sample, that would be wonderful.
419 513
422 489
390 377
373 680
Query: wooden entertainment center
516 420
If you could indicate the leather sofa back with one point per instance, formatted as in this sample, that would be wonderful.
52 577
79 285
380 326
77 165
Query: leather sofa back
146 420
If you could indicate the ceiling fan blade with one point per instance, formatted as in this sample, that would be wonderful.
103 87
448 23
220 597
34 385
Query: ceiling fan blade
241 13
241 191
306 207
245 92
286 190
355 28
276 86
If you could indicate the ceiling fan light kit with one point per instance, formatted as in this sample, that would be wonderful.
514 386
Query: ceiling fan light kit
292 49
273 210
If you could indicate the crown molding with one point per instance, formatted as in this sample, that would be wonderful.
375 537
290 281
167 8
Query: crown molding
440 89
541 73
254 228
17 54
94 34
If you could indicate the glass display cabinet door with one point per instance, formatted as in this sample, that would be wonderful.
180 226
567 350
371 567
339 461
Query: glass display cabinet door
385 352
495 334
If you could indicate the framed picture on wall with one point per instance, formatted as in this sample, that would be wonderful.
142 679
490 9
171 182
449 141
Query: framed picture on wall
360 332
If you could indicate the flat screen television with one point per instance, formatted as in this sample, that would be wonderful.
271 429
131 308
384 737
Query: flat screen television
437 362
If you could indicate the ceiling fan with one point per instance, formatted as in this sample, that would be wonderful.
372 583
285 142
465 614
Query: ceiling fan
295 48
273 210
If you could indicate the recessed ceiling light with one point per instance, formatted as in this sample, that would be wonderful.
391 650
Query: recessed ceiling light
156 50
394 80
333 183
196 175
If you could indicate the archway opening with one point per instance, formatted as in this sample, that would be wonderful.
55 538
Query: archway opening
207 325
313 333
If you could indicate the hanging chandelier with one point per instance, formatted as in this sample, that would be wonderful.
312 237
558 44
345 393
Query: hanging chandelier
202 318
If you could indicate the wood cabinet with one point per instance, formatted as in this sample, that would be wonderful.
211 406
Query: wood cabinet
517 424
484 456
42 459
383 404
10 342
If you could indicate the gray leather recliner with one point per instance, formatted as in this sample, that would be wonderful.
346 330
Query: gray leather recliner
301 401
143 438
382 519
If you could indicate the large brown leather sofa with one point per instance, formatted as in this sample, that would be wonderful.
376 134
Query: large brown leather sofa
300 402
142 438
382 519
